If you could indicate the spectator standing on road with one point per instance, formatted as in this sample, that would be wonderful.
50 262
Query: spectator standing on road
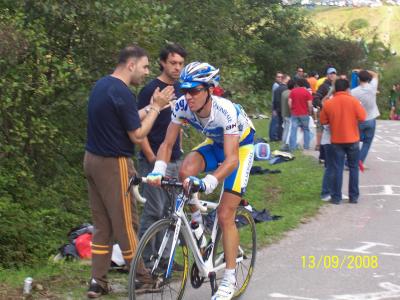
274 124
395 102
366 92
285 110
343 113
301 75
114 126
172 59
300 104
321 93
329 171
324 88
312 81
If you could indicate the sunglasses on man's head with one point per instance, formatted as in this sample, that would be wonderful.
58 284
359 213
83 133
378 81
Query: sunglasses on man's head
193 91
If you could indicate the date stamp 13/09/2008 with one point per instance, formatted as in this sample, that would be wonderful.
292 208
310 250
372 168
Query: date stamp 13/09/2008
313 262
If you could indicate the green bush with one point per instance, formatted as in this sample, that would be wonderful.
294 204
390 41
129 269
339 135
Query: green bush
389 77
52 53
31 236
358 24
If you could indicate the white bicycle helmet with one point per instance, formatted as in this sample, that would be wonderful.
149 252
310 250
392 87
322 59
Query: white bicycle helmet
197 73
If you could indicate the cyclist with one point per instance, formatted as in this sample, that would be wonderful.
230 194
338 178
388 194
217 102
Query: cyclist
227 151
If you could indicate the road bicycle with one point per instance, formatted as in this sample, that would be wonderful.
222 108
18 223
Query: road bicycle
169 246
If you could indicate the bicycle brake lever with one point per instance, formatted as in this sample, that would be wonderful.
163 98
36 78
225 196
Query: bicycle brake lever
134 180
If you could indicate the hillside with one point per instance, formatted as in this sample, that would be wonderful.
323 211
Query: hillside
384 20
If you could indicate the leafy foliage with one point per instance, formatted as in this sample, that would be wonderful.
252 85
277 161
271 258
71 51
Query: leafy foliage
358 24
329 48
52 52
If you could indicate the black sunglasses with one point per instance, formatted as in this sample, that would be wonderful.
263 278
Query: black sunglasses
193 91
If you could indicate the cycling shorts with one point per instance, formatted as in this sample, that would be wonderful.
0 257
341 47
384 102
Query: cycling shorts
213 155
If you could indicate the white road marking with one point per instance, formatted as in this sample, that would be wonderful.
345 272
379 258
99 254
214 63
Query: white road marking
279 295
392 291
390 254
384 190
362 249
385 160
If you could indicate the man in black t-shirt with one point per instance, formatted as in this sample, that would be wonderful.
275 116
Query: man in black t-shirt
114 126
172 58
276 105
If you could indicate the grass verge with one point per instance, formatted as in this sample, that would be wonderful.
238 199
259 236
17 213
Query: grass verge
292 194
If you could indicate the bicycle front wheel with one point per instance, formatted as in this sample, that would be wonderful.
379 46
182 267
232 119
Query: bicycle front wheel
247 250
151 275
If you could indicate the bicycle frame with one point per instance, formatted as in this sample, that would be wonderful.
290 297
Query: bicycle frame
205 266
169 239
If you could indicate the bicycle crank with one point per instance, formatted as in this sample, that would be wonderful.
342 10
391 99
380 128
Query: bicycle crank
195 278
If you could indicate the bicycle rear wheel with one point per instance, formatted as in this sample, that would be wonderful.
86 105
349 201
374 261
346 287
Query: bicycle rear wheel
246 253
147 276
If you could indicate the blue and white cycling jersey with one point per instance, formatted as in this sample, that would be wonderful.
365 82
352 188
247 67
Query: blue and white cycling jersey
225 118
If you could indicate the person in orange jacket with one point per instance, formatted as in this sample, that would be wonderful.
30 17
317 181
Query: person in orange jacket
343 113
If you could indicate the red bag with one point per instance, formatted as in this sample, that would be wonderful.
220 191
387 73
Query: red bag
83 244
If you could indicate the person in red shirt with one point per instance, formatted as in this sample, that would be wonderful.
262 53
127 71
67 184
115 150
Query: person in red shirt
300 104
343 112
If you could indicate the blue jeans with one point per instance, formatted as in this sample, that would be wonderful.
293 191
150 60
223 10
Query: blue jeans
275 127
352 152
367 132
285 134
329 172
299 121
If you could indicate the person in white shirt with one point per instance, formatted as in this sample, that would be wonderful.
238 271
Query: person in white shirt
366 93
227 154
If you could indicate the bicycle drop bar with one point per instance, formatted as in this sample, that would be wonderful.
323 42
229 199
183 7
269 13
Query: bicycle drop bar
173 182
134 180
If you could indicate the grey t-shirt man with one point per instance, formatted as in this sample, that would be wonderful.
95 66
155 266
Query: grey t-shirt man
366 93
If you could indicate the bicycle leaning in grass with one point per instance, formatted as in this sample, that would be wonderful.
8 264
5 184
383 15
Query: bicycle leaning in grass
169 264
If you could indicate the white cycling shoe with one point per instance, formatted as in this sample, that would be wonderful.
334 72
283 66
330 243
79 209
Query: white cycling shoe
225 291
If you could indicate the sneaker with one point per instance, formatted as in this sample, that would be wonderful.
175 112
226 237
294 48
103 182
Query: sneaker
225 291
96 290
345 197
337 202
326 198
145 283
144 280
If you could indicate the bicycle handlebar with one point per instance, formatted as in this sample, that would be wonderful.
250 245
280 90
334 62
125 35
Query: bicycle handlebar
134 180
165 182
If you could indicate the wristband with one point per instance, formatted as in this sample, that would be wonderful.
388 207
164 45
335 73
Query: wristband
211 182
155 109
160 167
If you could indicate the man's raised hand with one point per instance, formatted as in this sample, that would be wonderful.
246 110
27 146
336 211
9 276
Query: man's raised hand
162 98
